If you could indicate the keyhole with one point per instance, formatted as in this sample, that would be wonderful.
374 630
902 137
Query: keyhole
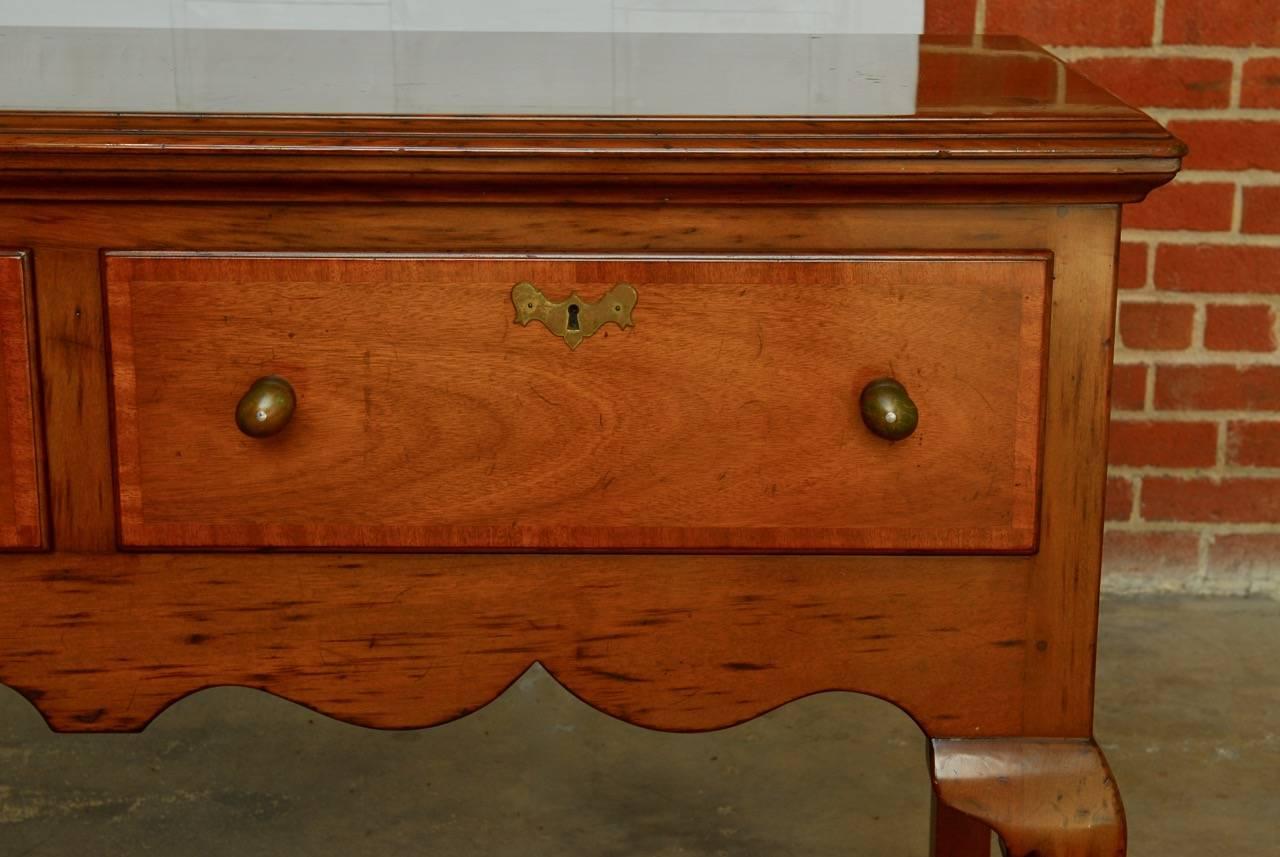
573 316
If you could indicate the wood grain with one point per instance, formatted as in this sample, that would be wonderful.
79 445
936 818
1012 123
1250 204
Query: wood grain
106 642
479 226
76 413
21 491
954 834
726 419
1062 614
1051 695
1045 798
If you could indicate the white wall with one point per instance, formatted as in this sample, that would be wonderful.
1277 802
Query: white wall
150 69
120 54
746 16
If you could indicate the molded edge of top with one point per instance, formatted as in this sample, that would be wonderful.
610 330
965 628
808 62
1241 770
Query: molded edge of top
1090 147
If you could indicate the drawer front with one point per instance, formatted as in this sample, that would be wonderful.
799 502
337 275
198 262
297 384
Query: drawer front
725 418
21 518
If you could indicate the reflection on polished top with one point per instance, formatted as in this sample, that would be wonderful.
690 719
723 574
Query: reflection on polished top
547 74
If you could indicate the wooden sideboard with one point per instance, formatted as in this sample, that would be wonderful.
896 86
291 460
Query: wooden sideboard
576 358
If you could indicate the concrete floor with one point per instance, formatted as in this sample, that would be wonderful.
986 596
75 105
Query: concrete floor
1189 713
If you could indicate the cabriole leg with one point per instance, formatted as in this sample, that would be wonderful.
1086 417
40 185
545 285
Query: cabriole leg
1043 797
955 834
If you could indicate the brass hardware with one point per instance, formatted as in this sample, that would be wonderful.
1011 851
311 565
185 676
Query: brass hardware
574 319
887 409
267 407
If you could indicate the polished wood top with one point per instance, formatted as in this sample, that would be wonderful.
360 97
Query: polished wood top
833 112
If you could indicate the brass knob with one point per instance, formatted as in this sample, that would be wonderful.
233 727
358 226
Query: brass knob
887 409
267 407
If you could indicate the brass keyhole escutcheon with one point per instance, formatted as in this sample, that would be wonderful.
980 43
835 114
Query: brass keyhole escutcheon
574 319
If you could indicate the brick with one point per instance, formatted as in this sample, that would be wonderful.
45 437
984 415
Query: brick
1128 387
1131 272
1253 444
1156 327
1119 499
1218 268
1244 558
1129 553
1226 501
947 77
1239 328
1074 22
1161 81
1261 84
1229 144
950 16
1221 22
1218 388
1201 206
1151 443
1261 210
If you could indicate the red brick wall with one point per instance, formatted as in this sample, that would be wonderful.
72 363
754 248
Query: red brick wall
1194 491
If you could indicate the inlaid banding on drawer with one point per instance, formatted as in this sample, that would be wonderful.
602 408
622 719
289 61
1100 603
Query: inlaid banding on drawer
21 516
725 417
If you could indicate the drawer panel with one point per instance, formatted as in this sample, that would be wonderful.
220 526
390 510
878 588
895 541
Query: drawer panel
726 418
21 518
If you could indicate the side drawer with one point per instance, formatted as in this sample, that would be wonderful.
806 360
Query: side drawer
21 512
725 418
